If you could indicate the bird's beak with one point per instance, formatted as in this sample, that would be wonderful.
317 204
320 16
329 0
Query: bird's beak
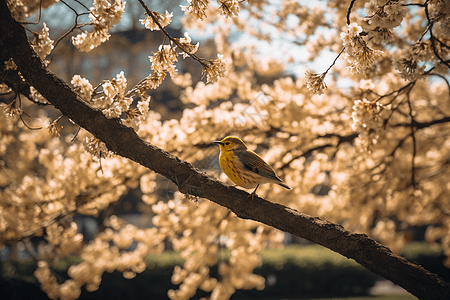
218 142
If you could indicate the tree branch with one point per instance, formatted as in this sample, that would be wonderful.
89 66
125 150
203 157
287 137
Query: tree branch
342 139
422 125
125 142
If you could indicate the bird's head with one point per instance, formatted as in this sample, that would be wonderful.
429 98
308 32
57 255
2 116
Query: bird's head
231 143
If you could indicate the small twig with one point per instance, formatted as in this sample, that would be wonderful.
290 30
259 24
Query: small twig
342 139
100 161
413 165
31 128
349 11
412 4
194 56
76 25
71 29
421 125
76 134
433 38
79 2
425 31
410 85
19 104
39 17
398 146
334 61
445 80
89 11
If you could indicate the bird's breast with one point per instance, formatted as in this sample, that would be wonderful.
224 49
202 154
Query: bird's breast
228 165
234 169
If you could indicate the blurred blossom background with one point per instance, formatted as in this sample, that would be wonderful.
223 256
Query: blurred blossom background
349 104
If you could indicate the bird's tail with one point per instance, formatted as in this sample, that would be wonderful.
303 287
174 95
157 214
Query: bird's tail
284 185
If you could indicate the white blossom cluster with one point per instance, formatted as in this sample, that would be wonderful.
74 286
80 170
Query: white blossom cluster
165 58
97 148
315 82
163 20
10 64
54 127
113 102
185 42
229 8
10 110
440 13
98 256
42 44
368 120
36 96
104 15
137 116
357 53
22 9
422 51
196 8
215 69
407 63
383 16
150 82
183 220
82 87
4 88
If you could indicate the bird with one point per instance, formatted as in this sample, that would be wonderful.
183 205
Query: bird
244 167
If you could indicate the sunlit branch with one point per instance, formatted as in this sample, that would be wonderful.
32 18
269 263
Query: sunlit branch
421 125
342 139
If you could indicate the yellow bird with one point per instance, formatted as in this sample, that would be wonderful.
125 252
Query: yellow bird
244 167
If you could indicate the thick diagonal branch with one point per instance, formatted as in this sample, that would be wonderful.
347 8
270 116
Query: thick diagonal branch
125 142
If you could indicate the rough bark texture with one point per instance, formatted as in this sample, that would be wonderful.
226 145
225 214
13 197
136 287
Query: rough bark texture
125 142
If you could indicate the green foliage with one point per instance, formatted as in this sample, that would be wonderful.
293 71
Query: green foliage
418 250
312 270
429 257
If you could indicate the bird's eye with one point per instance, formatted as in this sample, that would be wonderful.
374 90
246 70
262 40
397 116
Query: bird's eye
227 143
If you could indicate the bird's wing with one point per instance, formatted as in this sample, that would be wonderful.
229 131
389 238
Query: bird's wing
256 164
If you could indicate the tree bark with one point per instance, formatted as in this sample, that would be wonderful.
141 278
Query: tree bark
125 142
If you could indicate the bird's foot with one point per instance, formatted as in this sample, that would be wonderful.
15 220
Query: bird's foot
252 195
